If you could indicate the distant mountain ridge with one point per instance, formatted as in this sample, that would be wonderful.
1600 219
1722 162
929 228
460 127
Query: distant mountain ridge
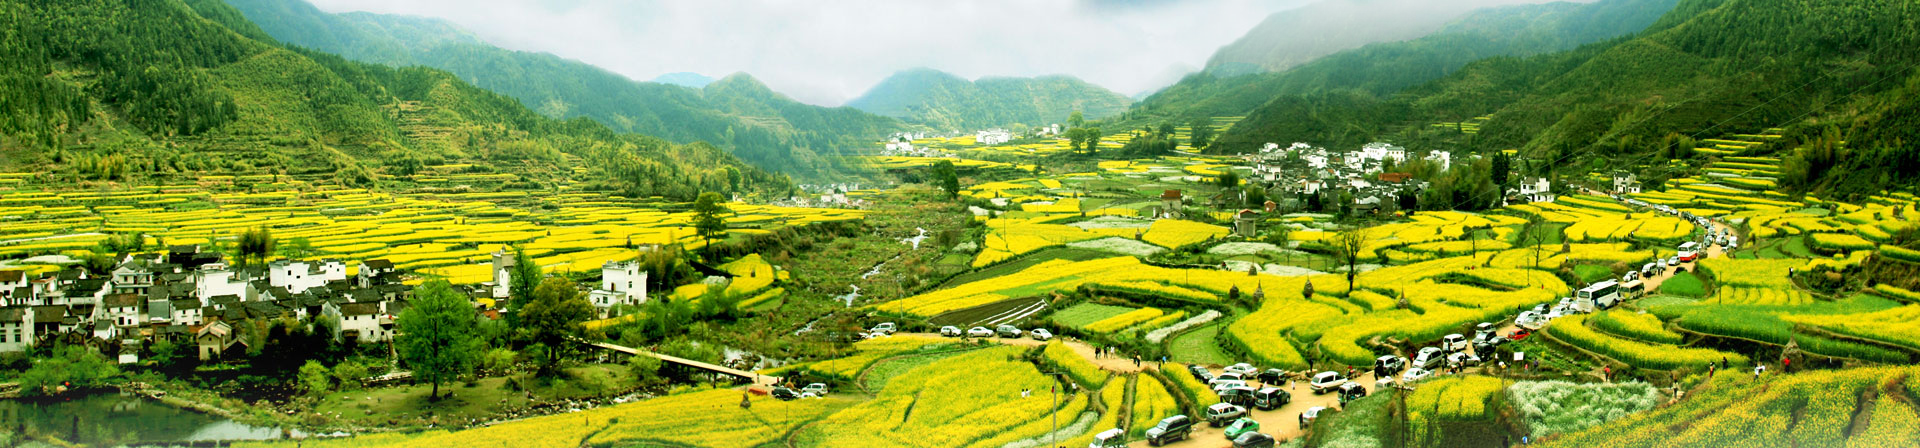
1383 68
950 103
684 79
1297 36
564 88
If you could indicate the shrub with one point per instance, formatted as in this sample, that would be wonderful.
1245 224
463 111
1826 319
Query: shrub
1553 407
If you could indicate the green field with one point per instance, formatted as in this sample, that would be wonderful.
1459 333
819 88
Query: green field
1087 313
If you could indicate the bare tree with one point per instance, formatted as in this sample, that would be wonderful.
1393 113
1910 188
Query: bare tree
1346 249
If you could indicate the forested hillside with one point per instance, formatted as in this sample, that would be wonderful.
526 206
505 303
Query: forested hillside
1838 73
149 90
565 88
951 103
1300 35
1384 68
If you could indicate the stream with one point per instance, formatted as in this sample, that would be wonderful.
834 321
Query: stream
112 418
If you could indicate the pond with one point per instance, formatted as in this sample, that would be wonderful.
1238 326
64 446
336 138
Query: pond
109 419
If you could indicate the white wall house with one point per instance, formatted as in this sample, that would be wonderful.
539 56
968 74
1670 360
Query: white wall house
1537 189
216 280
502 274
16 329
621 283
1626 183
363 319
992 137
1442 158
298 276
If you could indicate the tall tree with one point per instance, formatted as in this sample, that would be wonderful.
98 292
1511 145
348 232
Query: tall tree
1502 170
522 278
707 219
946 178
438 336
255 245
1201 132
553 317
1346 249
1076 119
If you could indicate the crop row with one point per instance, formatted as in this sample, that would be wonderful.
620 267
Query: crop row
1574 331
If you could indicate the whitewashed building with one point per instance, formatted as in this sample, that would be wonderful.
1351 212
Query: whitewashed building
217 280
502 274
992 137
1537 189
621 283
298 276
16 329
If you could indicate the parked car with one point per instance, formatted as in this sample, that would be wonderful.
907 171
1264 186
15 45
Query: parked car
1463 359
1271 398
1649 268
1111 438
1325 381
1241 396
1243 369
1253 440
1531 320
1220 413
1008 331
1240 427
1170 429
785 394
884 327
1222 386
1388 365
1519 334
1484 330
1229 376
1415 374
1352 391
980 332
1272 376
950 331
1306 418
817 389
1428 357
1040 334
1453 342
1383 383
1630 276
1200 373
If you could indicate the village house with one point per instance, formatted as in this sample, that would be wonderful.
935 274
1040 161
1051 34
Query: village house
1536 189
298 276
12 282
502 274
16 328
120 310
1625 183
376 272
215 339
992 137
1246 223
362 322
1171 203
133 276
216 279
621 283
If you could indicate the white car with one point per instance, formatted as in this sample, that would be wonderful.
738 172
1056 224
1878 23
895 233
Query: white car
1229 376
884 327
1674 261
1325 381
1454 342
950 331
1040 334
1219 386
817 389
1428 357
1243 369
1415 374
980 332
1463 359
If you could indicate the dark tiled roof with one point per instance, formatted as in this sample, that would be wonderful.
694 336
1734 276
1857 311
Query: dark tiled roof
13 314
12 276
49 313
360 309
86 288
186 304
379 263
120 300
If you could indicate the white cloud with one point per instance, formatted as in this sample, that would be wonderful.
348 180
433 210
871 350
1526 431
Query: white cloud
827 52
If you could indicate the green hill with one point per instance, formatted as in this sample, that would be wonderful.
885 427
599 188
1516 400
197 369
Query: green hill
1384 68
1293 37
170 90
951 103
564 88
1836 71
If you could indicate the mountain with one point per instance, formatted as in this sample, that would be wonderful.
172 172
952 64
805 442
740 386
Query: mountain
565 88
684 79
1292 37
172 90
1837 74
951 103
1384 68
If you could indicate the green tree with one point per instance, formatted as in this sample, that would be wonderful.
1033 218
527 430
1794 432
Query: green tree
522 278
707 219
1075 120
945 177
1227 180
645 371
1502 170
71 366
553 318
297 247
1201 132
314 378
437 337
255 245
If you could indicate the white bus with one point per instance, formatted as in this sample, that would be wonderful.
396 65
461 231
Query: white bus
1602 295
1689 251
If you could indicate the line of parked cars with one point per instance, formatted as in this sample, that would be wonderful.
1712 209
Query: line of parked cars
1005 331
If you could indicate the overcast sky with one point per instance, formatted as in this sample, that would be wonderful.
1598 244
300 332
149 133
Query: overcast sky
829 51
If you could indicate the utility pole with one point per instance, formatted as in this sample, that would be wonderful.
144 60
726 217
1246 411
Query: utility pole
1054 392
